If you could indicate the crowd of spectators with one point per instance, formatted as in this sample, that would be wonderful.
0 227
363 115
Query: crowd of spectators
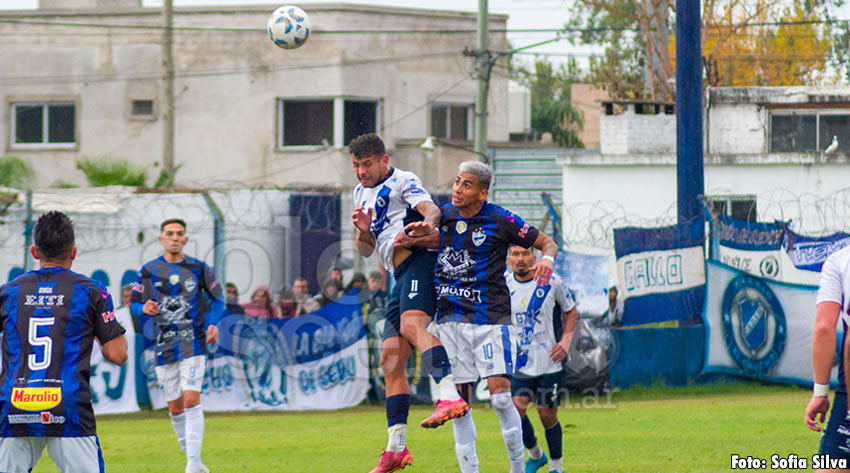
295 301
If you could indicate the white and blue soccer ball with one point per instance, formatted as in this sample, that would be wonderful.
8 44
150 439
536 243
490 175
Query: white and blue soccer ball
289 27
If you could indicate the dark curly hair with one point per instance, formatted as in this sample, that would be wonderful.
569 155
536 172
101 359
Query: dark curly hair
366 145
53 236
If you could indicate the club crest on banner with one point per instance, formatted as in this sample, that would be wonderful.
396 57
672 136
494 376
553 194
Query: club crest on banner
753 325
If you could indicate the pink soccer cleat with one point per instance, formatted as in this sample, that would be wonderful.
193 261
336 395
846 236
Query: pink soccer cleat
445 411
392 461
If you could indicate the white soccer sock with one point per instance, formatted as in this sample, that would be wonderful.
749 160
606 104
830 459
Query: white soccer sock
448 389
556 464
536 452
397 437
464 430
194 436
511 424
179 424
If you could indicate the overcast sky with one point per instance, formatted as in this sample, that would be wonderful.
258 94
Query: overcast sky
524 14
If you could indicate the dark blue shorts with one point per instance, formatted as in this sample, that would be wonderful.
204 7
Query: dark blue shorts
547 390
414 290
835 441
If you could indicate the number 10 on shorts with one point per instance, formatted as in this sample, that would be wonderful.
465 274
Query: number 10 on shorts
488 351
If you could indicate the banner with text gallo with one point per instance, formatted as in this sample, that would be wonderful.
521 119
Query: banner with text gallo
316 361
758 328
661 272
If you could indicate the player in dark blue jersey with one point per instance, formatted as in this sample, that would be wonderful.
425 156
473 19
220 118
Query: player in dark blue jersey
833 306
49 319
170 291
474 305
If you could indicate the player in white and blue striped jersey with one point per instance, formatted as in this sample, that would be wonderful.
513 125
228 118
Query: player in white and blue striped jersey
545 319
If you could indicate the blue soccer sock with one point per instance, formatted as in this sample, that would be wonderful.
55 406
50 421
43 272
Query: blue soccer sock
528 438
436 361
554 438
398 407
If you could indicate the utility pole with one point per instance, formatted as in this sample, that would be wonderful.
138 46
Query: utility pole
483 55
168 92
690 172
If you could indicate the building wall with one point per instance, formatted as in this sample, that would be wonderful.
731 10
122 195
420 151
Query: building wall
228 85
629 132
588 100
737 129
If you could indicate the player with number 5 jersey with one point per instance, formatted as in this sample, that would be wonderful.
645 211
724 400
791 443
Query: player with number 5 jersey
50 319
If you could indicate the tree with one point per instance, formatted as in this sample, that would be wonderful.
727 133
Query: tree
100 173
15 172
745 42
551 106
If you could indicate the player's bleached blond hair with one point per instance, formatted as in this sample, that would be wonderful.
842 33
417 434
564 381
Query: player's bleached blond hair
479 170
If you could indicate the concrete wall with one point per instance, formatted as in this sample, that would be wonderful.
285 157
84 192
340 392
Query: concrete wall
228 85
629 132
737 129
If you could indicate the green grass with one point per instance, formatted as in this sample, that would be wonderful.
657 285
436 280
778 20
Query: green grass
656 429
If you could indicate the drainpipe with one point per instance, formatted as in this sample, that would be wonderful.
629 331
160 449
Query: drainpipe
218 238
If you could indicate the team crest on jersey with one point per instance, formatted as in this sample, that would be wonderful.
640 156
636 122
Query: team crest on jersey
174 279
753 324
460 227
455 262
478 236
173 309
190 284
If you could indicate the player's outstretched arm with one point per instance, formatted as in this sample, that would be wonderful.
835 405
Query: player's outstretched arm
543 268
115 350
823 351
404 240
432 215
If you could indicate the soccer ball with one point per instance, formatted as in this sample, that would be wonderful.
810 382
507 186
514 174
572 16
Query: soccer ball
289 27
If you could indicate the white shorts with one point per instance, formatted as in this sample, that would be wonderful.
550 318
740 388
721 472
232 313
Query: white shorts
70 454
478 351
183 375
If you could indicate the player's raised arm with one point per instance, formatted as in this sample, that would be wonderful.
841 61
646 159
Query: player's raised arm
365 239
543 268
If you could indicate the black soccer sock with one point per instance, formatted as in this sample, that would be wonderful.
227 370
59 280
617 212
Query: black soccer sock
397 408
528 438
436 361
554 437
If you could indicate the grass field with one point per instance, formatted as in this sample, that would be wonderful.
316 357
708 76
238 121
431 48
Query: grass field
694 429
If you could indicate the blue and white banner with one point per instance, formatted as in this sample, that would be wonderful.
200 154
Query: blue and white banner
809 253
585 276
316 361
113 387
752 247
758 328
661 272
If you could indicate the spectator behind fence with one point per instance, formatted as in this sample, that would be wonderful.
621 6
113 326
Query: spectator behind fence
358 281
287 305
336 275
261 305
615 308
378 296
304 303
231 303
330 292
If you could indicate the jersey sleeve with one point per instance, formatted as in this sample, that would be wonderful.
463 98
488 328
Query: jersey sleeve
213 289
142 292
412 190
562 297
106 326
830 288
516 230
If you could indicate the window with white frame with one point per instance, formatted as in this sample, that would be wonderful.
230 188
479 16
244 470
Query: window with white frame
451 121
740 207
804 131
335 121
43 125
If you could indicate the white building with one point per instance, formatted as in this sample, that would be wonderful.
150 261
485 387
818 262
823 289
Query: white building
83 78
765 159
